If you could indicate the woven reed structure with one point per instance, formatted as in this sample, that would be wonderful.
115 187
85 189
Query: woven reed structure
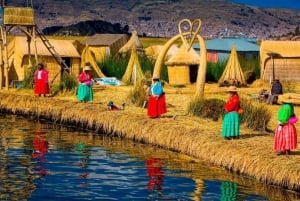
183 66
280 60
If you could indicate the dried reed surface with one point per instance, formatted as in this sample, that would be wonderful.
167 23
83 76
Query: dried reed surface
251 155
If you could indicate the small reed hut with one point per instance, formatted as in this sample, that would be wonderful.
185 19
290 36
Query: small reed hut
183 66
19 64
133 42
280 60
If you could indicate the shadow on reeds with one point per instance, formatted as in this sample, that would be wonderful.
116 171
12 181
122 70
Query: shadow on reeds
246 136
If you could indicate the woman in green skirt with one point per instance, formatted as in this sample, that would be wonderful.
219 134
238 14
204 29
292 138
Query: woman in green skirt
85 91
231 121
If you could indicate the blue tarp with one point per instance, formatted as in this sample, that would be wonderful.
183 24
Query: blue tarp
108 81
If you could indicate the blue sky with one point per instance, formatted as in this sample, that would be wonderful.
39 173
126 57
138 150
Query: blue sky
292 4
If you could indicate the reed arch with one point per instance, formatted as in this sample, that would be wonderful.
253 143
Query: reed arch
192 34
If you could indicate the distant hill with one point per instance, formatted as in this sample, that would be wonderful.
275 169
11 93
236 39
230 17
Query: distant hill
159 18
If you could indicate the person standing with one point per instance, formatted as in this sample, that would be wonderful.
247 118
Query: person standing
286 134
231 121
156 100
85 91
41 82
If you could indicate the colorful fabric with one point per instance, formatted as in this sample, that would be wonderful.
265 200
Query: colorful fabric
85 90
156 89
156 106
285 112
85 93
285 137
41 85
231 125
233 104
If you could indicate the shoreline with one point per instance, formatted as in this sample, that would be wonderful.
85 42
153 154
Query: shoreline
251 155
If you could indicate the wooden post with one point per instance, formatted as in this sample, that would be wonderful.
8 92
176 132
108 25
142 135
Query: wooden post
1 64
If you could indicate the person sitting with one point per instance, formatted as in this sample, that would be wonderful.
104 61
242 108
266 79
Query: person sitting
276 90
111 106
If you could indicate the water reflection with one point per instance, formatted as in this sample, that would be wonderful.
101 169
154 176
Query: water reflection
40 145
49 162
156 175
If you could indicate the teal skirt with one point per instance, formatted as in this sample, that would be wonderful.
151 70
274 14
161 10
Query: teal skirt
85 93
231 125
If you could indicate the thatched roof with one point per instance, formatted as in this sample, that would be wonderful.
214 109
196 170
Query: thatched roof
280 59
154 50
133 42
184 57
18 16
64 48
103 39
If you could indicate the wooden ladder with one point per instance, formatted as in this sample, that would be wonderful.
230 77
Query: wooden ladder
51 49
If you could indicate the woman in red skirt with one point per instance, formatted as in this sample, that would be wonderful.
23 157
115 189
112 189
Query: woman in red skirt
157 100
286 134
41 86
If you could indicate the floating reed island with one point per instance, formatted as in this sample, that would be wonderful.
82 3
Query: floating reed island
251 155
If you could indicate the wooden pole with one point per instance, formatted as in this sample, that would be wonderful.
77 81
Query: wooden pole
6 66
1 60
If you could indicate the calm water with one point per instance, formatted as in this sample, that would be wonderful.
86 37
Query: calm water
49 162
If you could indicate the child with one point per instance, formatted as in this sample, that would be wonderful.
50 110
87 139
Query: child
112 107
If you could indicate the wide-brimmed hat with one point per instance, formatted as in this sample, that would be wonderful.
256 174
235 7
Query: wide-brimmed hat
86 68
232 89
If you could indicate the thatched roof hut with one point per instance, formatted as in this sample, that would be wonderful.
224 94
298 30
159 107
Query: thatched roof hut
154 50
18 57
233 73
183 66
99 46
133 42
280 60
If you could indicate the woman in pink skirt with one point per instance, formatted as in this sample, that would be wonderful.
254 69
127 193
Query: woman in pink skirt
286 134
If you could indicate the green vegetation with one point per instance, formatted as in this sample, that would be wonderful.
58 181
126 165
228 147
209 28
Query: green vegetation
255 116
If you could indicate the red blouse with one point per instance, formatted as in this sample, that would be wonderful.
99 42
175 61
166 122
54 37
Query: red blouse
233 104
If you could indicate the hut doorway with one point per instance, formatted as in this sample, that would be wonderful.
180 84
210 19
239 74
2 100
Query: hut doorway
193 73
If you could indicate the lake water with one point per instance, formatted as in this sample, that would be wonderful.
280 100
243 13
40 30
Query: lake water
42 161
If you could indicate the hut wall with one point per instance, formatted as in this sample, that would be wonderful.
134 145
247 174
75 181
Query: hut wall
285 69
75 66
116 46
179 75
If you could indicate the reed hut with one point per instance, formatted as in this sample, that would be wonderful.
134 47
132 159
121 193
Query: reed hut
18 57
233 73
183 66
134 72
153 51
100 46
280 60
134 42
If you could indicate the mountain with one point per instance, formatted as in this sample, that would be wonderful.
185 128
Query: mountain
159 18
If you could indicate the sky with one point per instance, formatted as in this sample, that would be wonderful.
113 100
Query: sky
291 4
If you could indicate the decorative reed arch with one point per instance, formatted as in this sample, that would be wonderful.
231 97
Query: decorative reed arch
187 36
